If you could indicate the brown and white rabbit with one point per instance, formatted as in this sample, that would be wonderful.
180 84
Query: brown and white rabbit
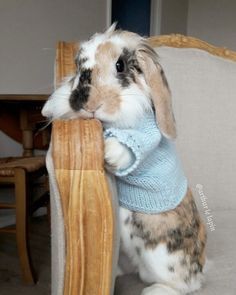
119 81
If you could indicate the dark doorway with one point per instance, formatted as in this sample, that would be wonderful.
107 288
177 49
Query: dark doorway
132 15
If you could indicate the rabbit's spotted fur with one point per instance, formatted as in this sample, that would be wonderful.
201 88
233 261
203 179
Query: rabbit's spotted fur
118 81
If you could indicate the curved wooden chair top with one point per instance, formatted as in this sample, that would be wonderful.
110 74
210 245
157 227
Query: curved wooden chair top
181 41
66 51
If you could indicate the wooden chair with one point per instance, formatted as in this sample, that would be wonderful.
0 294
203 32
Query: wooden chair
21 172
84 194
88 215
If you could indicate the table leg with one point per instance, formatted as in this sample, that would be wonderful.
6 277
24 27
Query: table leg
27 133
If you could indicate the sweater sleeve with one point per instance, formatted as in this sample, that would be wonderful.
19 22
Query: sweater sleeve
141 142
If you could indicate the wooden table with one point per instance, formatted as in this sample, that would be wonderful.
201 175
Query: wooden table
19 115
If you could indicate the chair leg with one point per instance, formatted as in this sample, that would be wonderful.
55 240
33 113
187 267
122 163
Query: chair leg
22 226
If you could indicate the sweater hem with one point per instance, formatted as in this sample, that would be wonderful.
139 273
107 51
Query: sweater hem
158 208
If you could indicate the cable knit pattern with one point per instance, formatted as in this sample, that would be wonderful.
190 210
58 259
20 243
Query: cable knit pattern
155 181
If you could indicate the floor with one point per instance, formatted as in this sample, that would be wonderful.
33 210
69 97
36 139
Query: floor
220 278
10 280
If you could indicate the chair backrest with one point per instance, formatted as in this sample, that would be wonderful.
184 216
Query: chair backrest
202 82
199 123
85 195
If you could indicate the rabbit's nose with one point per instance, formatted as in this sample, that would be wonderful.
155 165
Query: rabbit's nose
79 97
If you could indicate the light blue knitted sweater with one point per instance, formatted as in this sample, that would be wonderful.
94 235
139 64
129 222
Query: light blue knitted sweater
154 182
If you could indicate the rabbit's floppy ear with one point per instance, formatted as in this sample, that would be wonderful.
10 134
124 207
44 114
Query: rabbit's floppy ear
159 89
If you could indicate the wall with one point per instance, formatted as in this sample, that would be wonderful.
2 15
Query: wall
168 17
29 30
213 21
174 16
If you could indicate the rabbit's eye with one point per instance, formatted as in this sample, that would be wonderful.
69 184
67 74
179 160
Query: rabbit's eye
120 66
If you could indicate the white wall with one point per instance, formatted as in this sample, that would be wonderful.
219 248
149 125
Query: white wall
29 30
174 17
213 21
169 17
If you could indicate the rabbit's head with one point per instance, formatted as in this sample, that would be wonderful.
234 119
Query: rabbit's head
118 80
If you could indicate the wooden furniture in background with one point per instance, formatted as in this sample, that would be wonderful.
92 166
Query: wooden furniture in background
21 172
19 115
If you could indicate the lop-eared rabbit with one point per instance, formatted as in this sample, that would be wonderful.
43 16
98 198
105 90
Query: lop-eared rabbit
120 82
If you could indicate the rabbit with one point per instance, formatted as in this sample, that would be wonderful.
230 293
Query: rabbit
120 82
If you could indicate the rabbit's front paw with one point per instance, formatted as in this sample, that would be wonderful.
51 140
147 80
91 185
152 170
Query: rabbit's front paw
117 155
